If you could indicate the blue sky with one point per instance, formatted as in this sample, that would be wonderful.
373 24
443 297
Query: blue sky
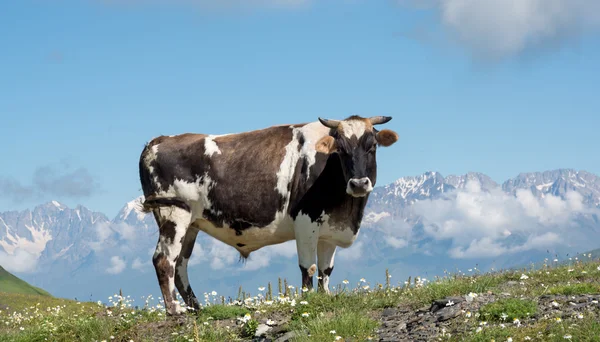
86 83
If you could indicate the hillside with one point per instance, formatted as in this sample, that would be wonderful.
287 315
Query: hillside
556 303
11 284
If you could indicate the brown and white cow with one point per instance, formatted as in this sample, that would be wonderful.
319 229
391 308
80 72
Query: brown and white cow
304 182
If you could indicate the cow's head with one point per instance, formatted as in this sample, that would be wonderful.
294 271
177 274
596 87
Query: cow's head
355 141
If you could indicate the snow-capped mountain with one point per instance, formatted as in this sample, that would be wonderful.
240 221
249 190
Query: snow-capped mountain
393 198
412 226
558 183
49 232
459 182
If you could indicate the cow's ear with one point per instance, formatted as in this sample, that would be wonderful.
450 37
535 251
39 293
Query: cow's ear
386 137
326 145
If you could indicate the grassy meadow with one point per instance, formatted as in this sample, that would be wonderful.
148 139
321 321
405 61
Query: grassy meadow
353 312
11 284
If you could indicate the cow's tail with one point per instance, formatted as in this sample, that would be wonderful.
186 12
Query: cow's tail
152 202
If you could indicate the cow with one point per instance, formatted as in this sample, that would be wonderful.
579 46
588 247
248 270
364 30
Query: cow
306 182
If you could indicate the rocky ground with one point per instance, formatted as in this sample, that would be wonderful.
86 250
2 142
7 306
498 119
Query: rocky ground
454 316
439 319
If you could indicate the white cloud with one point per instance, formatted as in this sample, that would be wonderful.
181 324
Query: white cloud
103 233
486 247
120 235
502 28
264 256
126 231
221 255
351 253
197 255
117 265
396 243
488 224
20 261
140 265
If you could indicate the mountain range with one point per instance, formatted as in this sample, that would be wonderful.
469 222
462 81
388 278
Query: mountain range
416 226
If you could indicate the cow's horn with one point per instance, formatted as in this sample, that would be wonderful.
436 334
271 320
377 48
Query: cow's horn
330 123
378 120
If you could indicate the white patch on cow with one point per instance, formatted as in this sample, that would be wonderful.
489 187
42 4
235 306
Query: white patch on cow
210 146
312 133
148 160
253 238
353 127
194 194
288 165
307 236
187 190
325 259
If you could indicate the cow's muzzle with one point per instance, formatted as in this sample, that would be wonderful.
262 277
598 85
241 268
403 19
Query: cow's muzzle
359 187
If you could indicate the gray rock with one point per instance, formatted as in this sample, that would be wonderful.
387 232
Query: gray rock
447 313
388 312
287 337
262 330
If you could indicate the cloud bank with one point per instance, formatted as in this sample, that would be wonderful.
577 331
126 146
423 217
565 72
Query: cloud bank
117 265
20 261
53 182
496 29
490 224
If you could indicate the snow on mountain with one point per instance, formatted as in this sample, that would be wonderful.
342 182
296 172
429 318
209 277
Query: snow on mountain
557 183
415 188
459 182
132 214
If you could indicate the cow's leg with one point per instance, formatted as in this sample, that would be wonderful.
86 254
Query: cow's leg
306 244
326 254
174 223
181 275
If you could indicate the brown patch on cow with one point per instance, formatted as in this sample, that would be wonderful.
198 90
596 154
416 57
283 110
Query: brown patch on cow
386 137
247 160
164 272
307 280
326 145
157 140
167 229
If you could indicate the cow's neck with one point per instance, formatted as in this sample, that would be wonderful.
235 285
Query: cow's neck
328 195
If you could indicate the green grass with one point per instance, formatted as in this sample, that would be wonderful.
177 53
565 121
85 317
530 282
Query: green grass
575 289
344 322
349 312
11 284
583 330
507 310
219 312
